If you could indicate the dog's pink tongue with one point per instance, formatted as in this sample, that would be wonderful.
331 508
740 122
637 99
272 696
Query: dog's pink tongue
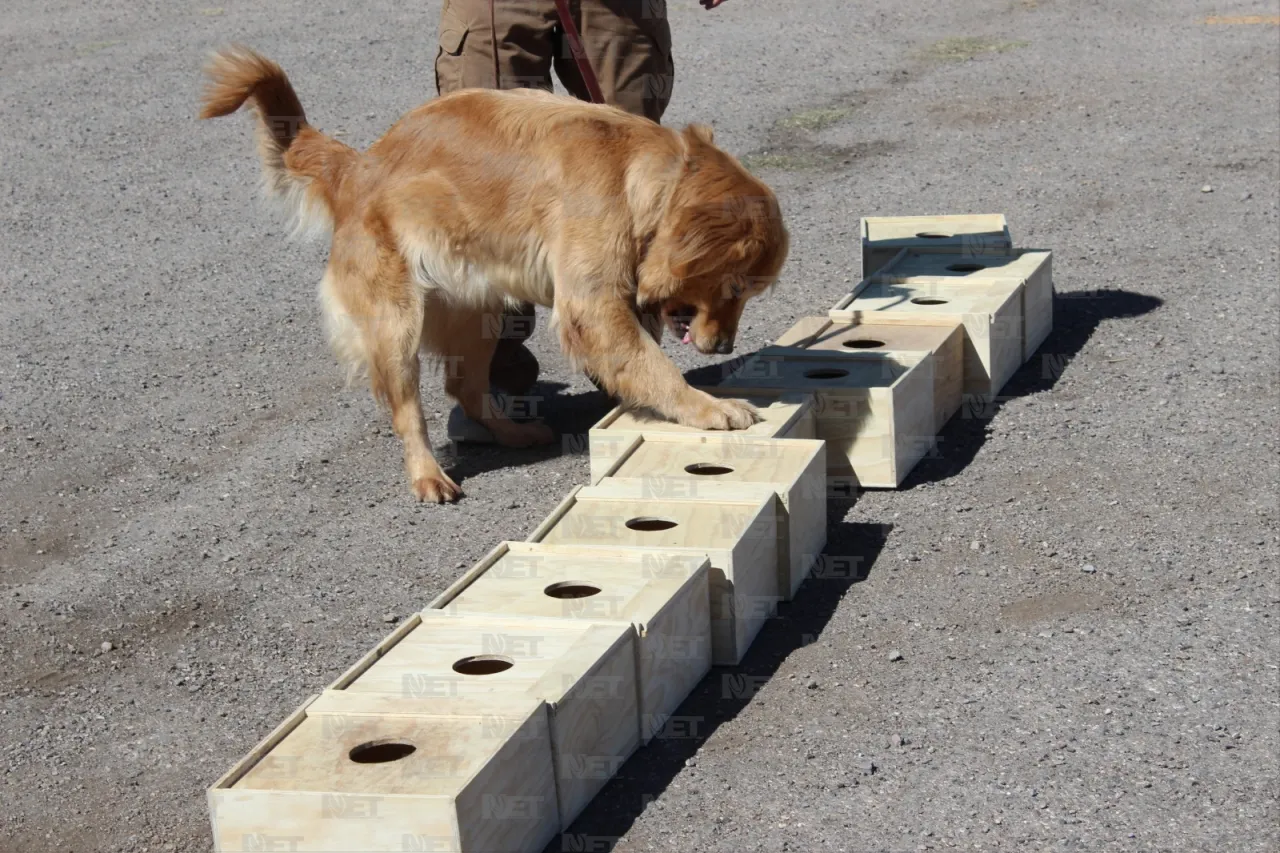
686 338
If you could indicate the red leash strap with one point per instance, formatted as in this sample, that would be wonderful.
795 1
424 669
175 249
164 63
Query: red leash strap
579 55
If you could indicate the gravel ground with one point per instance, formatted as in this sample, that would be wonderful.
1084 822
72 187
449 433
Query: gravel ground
1062 634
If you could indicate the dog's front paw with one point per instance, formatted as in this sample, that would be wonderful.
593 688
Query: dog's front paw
715 413
436 488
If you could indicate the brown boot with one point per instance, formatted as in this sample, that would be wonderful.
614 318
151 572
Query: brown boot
514 369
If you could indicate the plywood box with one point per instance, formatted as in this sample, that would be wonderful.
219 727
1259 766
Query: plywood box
586 672
942 344
785 415
970 234
1032 267
795 469
876 414
734 525
391 773
991 313
663 595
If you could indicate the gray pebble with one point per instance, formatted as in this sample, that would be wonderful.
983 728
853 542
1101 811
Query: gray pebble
1088 568
1206 189
107 646
390 617
895 655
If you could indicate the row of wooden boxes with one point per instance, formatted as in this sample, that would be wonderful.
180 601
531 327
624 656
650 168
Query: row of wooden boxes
489 720
946 312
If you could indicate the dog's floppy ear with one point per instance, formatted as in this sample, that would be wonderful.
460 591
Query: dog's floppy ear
711 236
700 133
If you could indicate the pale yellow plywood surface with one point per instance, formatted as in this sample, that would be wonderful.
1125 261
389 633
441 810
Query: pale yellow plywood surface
663 594
369 771
783 413
884 236
990 311
942 343
734 524
877 414
794 468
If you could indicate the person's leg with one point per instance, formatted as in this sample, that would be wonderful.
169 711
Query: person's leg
628 43
522 30
514 369
466 59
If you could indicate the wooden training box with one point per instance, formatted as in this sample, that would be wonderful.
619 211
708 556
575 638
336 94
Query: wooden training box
942 344
586 673
735 525
1032 267
796 470
368 772
970 234
785 415
991 314
663 595
876 414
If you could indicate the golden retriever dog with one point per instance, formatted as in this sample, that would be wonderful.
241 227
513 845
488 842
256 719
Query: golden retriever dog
480 200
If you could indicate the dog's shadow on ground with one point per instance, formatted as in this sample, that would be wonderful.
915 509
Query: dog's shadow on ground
851 552
570 415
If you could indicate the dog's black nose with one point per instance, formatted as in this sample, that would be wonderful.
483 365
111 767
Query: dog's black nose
724 347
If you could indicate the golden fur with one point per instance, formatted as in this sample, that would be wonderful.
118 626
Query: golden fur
480 200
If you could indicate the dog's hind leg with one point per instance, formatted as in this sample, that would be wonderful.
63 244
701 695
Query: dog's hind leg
465 338
379 321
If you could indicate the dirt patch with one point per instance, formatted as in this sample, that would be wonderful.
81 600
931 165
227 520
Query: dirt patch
1046 608
792 144
963 48
816 119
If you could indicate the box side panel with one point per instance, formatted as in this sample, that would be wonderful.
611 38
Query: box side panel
914 419
675 654
754 596
510 805
595 728
317 822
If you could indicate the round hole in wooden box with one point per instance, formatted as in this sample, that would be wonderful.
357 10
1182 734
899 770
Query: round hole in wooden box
483 665
707 469
864 343
381 751
572 589
826 373
934 235
966 267
929 300
650 525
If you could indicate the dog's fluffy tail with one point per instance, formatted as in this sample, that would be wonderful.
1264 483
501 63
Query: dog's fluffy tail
301 167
